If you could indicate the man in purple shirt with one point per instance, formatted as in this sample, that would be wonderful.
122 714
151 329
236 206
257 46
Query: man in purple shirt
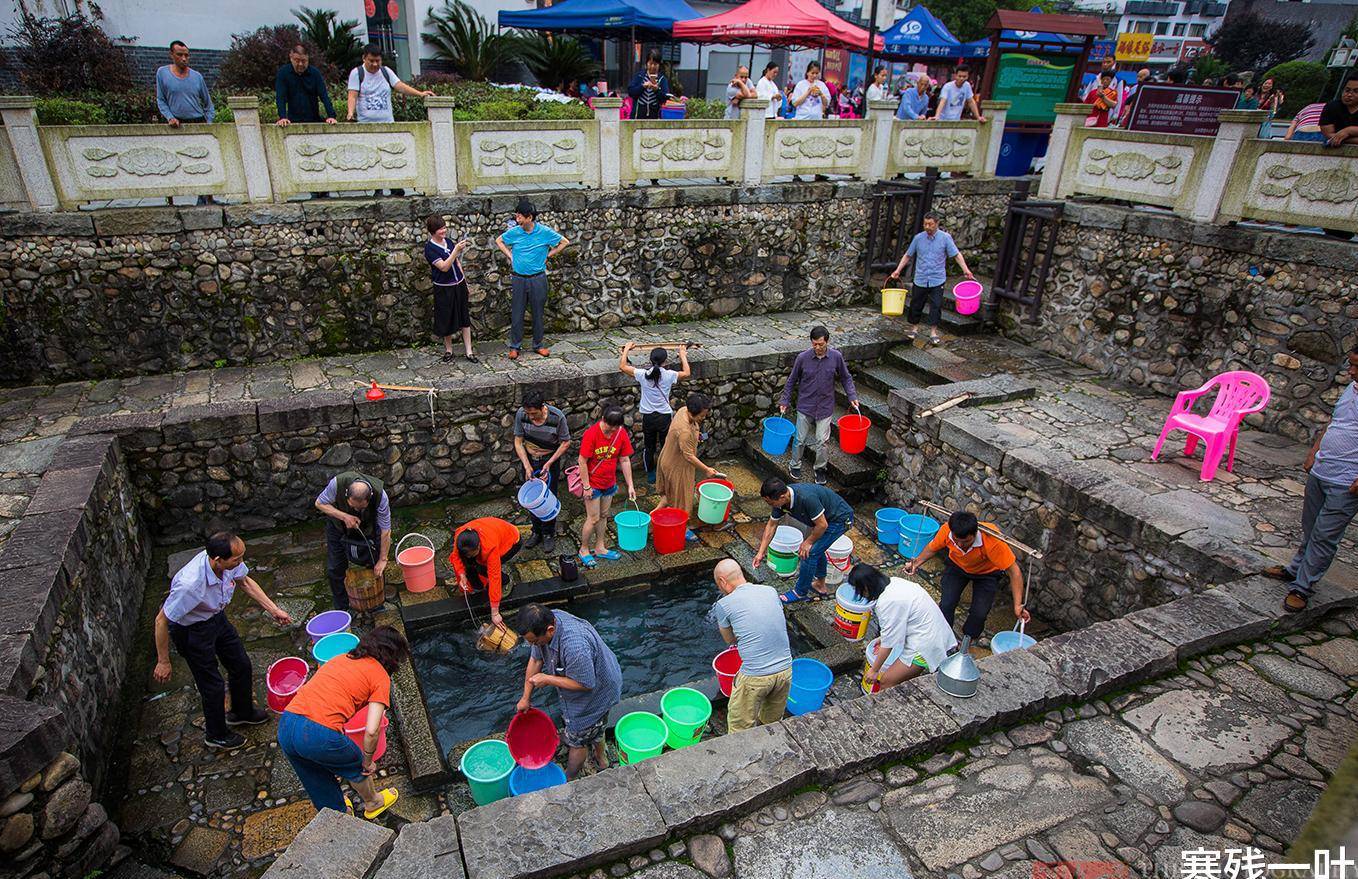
813 374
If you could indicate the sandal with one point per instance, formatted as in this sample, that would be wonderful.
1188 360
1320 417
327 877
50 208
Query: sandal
447 357
389 796
472 358
587 560
791 597
611 555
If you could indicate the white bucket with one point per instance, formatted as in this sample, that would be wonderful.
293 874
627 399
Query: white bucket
786 539
838 556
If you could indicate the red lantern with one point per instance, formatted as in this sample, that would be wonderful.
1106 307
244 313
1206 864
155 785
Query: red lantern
370 8
393 9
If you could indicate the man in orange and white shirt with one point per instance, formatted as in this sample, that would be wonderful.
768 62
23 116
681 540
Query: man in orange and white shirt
976 558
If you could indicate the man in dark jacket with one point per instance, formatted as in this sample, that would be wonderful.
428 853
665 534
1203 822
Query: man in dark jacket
648 89
358 530
297 88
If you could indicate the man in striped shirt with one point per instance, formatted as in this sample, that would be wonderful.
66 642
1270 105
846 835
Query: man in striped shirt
1331 497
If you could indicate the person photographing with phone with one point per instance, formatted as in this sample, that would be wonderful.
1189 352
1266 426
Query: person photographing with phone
649 89
451 309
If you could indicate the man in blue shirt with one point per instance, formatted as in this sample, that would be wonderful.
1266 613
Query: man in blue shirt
816 507
527 245
930 250
915 100
569 654
1331 499
194 618
182 95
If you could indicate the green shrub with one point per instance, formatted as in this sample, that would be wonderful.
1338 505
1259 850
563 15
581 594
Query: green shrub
699 108
64 111
555 110
1302 82
253 60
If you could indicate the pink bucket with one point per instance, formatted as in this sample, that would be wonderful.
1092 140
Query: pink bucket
355 726
284 678
968 295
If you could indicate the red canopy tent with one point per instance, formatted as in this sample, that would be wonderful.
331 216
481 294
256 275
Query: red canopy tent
777 23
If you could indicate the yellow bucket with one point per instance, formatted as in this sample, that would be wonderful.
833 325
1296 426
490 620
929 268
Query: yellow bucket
870 654
852 614
893 301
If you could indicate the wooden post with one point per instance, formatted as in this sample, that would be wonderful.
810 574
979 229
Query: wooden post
1076 78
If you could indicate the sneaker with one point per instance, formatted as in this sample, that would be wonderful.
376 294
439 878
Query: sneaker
532 541
549 545
820 477
256 716
795 471
226 743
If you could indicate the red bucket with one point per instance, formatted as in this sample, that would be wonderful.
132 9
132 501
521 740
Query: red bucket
355 726
853 433
726 665
283 680
532 739
668 525
726 483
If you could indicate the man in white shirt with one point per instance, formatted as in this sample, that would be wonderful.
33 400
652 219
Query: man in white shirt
739 87
370 88
955 95
767 90
811 97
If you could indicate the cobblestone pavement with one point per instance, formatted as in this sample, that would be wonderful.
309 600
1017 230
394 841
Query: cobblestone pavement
33 419
1230 753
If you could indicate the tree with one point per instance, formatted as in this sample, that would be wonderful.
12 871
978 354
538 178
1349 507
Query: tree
1303 82
67 54
461 36
1251 42
556 61
967 18
253 60
335 38
1208 66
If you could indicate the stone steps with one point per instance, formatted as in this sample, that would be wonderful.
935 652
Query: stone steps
886 378
872 403
852 479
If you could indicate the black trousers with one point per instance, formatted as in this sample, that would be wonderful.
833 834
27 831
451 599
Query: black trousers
921 296
203 645
655 426
984 588
337 562
476 573
541 528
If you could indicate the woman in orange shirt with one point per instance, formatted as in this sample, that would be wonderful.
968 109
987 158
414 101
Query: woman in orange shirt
480 549
311 731
979 559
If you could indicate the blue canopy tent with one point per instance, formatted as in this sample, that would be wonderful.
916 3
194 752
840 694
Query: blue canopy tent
648 19
920 34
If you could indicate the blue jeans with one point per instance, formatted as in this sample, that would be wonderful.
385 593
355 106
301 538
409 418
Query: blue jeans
813 567
1325 514
318 755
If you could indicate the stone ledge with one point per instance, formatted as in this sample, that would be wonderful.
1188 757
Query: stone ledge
1012 686
66 489
110 223
333 846
1264 596
47 540
584 824
425 849
18 666
31 736
1002 388
206 421
92 450
1103 657
1200 622
262 214
424 758
29 604
61 225
140 429
306 410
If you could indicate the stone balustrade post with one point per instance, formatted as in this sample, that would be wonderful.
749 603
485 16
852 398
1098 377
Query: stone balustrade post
995 113
253 159
1057 146
753 113
439 110
882 118
609 113
1235 126
20 116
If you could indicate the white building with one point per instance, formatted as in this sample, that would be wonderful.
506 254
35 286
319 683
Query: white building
1180 27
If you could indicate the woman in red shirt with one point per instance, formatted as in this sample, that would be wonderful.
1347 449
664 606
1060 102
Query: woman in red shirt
480 549
603 445
311 730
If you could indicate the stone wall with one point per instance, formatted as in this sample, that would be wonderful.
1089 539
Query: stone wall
256 465
1163 303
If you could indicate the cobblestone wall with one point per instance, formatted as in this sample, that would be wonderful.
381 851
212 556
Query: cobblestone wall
51 826
1167 304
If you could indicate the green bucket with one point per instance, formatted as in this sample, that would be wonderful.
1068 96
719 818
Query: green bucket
784 563
640 735
487 766
713 500
685 711
634 529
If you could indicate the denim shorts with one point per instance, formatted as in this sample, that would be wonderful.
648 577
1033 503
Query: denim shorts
597 493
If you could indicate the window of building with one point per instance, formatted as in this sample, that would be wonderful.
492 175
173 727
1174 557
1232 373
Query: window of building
1141 27
1197 30
1161 28
1180 29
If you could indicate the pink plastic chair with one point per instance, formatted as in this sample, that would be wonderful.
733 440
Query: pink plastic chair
1238 394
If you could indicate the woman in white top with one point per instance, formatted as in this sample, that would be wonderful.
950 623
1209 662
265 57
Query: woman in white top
810 97
915 635
877 91
656 412
767 90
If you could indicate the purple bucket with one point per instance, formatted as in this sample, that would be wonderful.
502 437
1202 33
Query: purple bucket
328 623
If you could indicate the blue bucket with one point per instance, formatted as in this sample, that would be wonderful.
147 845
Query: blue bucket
777 435
1015 639
915 533
525 781
811 680
888 525
538 500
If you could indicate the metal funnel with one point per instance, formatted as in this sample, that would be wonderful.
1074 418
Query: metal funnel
958 675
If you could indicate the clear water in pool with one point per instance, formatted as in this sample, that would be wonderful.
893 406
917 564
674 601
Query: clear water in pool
664 636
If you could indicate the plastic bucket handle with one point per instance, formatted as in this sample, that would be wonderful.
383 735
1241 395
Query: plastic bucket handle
402 541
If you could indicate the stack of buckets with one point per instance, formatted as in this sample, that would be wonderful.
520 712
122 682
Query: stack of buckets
783 550
889 525
520 764
852 613
714 500
330 635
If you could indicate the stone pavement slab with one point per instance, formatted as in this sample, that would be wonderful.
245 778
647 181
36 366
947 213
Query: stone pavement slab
1104 656
425 849
333 846
1205 730
1199 622
833 844
1012 685
1279 808
1292 675
1130 757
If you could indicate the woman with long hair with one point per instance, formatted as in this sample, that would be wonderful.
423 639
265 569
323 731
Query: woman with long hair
679 463
914 630
657 382
311 730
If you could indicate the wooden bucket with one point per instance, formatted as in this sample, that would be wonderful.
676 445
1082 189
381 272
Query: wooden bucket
492 638
366 590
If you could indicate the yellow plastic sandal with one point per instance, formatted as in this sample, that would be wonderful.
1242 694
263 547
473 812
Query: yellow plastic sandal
388 797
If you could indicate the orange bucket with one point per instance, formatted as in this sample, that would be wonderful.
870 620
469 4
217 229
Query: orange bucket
417 564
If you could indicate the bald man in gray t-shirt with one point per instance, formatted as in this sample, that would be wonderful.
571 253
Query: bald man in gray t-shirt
750 615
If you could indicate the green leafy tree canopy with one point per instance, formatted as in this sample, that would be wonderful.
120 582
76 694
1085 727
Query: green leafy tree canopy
967 18
556 61
460 35
1251 42
336 39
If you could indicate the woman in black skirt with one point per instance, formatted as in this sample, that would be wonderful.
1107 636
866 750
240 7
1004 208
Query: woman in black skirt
451 311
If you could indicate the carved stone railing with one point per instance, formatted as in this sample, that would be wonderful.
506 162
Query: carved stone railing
1220 179
46 168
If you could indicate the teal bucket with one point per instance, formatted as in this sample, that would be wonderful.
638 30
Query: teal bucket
334 645
915 533
634 529
713 501
685 712
487 766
